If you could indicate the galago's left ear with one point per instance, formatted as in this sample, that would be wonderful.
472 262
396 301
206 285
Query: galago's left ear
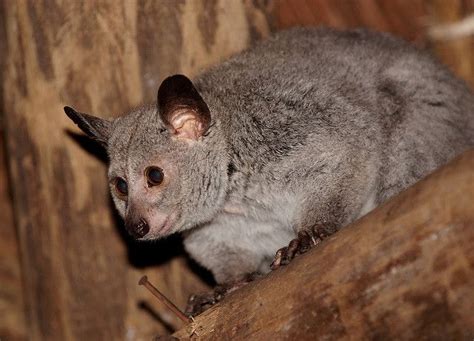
95 127
182 109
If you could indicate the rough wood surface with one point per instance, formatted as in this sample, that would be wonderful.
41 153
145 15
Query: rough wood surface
80 270
404 271
12 312
413 20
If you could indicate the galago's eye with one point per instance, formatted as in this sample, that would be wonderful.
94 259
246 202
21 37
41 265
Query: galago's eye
154 176
121 188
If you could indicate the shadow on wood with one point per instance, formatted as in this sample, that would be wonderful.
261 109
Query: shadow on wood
406 270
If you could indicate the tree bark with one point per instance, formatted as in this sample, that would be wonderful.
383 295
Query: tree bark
404 271
80 270
12 310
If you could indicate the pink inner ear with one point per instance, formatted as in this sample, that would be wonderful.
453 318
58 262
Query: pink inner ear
186 124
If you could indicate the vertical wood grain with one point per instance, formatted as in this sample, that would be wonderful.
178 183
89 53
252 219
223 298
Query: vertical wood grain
12 312
80 270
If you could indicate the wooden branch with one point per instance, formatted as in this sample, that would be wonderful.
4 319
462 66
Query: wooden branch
404 271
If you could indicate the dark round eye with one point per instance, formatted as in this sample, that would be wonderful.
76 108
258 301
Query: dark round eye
121 187
154 176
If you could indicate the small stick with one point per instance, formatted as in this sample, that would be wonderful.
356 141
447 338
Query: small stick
144 281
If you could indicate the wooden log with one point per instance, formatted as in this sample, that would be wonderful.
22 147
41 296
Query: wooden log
404 271
80 269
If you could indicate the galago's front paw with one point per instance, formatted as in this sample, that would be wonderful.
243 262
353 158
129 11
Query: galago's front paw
305 240
197 303
200 302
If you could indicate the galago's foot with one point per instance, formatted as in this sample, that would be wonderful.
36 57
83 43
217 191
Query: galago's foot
200 302
197 303
305 240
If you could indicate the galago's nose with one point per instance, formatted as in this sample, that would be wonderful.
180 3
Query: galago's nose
137 229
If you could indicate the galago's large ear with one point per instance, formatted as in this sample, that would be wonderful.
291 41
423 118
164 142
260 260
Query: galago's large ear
95 127
182 109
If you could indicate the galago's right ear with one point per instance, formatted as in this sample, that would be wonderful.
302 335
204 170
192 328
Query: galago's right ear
182 109
95 127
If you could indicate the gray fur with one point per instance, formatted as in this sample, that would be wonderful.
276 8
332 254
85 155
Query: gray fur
312 126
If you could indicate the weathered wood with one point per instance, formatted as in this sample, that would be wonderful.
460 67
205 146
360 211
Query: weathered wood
12 312
80 269
404 271
12 309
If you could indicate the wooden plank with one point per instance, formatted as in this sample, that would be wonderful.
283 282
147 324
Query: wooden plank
404 271
80 269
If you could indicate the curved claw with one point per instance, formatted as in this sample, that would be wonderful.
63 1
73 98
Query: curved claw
199 303
305 240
